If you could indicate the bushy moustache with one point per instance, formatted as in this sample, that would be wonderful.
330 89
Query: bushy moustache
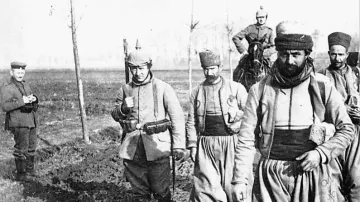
211 77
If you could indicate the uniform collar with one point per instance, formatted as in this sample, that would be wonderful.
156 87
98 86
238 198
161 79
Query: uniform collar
13 80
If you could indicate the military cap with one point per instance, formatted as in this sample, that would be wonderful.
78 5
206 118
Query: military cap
17 65
261 12
339 38
209 58
291 35
138 58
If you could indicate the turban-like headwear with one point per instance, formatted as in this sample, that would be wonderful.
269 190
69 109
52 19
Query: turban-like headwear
292 36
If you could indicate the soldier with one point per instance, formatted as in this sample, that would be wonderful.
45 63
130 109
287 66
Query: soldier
151 116
291 115
214 119
346 80
258 30
20 105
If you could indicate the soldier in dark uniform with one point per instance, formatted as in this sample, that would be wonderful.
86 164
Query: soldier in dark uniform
258 30
20 105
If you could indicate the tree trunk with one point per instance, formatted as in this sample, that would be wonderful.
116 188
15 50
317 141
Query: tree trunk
192 26
78 78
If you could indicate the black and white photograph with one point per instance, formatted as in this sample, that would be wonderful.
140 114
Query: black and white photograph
179 101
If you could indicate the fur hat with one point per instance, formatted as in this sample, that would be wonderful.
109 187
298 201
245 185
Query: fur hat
292 36
209 58
339 38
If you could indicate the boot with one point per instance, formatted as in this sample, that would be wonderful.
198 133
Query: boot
21 170
166 198
30 166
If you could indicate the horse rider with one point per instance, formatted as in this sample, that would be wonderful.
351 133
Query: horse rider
258 30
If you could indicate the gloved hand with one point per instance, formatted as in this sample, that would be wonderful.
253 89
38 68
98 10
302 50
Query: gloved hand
239 192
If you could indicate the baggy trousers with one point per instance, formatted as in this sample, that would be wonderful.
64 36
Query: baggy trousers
279 180
148 177
351 173
213 169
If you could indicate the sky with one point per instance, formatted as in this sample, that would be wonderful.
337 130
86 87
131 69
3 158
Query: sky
37 31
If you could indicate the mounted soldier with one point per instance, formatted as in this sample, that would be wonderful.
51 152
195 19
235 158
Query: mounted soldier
257 31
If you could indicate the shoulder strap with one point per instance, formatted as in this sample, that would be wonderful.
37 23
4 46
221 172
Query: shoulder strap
322 91
156 107
127 90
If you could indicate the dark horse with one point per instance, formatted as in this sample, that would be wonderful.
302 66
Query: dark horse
252 67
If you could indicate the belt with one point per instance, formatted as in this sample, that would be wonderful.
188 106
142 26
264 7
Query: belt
215 134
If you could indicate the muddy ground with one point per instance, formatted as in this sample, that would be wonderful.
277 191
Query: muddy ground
77 172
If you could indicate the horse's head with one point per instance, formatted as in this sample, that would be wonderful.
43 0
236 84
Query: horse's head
256 59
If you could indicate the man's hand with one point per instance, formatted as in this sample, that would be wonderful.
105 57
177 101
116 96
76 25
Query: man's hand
193 153
128 103
179 154
310 160
32 98
26 99
239 192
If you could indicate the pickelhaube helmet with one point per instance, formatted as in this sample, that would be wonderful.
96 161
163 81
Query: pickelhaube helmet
261 12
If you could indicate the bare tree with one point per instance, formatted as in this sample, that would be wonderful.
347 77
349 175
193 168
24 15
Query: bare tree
192 27
229 32
78 78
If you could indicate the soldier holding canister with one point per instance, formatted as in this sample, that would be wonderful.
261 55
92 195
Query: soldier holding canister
147 109
20 105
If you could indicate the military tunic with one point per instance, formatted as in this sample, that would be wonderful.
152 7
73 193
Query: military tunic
146 157
21 124
255 31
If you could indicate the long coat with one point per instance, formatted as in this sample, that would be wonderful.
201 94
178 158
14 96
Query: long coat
332 111
195 124
156 145
12 101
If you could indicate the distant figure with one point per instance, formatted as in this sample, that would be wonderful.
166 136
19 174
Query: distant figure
353 59
152 119
214 118
258 31
252 67
20 105
346 79
290 117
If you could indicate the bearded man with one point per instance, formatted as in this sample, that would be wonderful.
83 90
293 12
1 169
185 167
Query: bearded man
289 116
214 119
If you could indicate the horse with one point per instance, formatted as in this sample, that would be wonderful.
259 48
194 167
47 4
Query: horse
252 67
